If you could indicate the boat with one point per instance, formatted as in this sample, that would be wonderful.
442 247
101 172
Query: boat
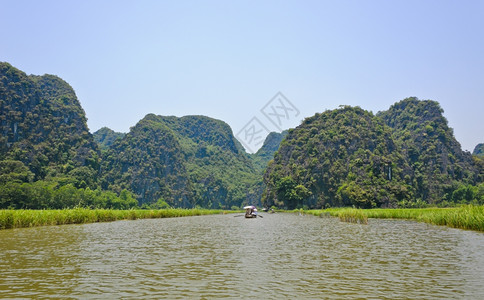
269 210
250 212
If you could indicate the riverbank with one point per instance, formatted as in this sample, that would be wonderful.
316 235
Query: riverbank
465 217
32 218
469 217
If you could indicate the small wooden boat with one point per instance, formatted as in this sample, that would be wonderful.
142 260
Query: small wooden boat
250 212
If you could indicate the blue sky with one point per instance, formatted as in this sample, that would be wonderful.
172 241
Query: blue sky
227 59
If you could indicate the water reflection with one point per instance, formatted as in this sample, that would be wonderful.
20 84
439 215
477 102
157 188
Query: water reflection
278 256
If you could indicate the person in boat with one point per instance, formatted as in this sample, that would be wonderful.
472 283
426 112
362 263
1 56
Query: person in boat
250 211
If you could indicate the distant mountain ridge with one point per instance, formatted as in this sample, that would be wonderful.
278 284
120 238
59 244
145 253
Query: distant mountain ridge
337 158
269 147
105 137
349 156
479 150
404 156
187 162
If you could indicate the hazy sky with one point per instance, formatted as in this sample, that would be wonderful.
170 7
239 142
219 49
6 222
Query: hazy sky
227 59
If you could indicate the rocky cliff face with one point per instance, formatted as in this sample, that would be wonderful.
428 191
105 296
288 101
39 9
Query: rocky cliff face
188 161
336 158
43 125
346 156
437 163
269 147
349 156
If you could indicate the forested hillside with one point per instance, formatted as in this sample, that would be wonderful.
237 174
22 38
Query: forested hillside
105 137
479 150
47 155
404 156
185 162
44 127
438 164
266 153
337 158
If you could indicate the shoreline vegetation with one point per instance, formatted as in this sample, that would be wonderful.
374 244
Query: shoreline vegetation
469 217
22 218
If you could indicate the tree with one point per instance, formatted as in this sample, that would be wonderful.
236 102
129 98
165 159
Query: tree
291 193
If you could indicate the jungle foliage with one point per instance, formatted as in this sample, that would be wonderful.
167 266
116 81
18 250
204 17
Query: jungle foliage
479 150
105 137
406 156
266 153
350 157
187 162
44 138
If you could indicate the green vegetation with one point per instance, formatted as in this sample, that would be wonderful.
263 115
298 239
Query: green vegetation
406 156
187 162
266 153
105 137
353 215
346 214
479 150
469 217
45 143
32 218
338 158
49 195
437 166
47 152
44 127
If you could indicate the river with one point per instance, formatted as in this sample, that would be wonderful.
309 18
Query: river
279 256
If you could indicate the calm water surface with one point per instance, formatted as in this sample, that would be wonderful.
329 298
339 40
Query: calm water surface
222 256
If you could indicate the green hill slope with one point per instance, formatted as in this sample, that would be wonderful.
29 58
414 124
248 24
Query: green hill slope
337 158
105 137
438 164
44 127
479 150
269 147
404 156
187 162
348 156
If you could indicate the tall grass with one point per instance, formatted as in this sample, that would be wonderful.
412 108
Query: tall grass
464 217
351 215
31 218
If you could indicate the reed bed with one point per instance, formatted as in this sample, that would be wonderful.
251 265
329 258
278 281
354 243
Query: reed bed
31 218
469 217
353 215
350 215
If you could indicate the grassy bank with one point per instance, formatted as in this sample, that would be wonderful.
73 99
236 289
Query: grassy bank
31 218
464 217
351 215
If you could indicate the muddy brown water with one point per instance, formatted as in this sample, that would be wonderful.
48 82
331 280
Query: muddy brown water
279 256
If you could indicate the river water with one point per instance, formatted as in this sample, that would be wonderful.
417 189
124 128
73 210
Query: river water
279 256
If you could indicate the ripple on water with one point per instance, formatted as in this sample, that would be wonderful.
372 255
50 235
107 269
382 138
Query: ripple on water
278 256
